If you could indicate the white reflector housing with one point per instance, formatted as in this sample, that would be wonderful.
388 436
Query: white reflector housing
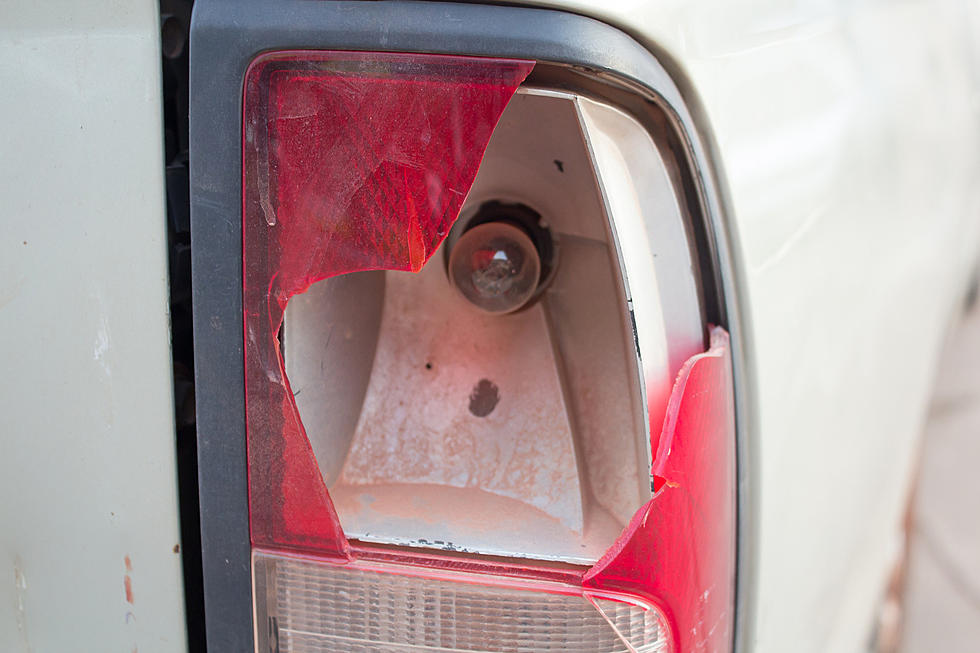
385 366
306 606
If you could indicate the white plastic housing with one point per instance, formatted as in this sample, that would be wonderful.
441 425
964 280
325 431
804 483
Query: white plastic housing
436 424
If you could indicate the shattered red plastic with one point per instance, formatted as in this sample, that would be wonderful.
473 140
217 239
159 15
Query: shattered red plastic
351 161
679 548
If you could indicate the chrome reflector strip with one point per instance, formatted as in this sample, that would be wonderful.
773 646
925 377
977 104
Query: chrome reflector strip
309 607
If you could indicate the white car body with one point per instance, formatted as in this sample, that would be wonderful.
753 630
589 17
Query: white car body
89 507
847 134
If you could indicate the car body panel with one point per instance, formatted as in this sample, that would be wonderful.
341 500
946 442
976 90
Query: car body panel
89 538
847 133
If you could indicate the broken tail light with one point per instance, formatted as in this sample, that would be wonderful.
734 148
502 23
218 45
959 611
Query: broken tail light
480 413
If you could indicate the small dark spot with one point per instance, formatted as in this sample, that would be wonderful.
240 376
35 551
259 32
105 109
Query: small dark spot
560 165
25 242
484 398
176 548
428 366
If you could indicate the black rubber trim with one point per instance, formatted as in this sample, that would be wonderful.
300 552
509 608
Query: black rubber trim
225 36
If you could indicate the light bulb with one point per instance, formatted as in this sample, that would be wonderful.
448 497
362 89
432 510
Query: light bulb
495 266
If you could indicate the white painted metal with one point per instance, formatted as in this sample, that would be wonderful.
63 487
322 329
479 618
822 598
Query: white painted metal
87 472
848 133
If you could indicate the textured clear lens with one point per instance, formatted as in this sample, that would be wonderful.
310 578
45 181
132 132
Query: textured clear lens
495 266
309 607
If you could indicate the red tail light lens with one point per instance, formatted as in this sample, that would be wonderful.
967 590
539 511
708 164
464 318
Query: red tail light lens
361 162
682 539
351 162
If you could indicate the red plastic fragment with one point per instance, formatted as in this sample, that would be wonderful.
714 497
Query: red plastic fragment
679 548
351 161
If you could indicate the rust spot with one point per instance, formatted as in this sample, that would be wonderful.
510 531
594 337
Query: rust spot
176 548
484 398
128 580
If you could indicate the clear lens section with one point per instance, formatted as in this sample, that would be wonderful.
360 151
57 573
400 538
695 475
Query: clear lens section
305 606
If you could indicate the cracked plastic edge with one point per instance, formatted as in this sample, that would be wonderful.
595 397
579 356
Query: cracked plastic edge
679 548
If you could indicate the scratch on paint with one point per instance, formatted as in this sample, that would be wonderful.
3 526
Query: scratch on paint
128 585
100 353
788 244
128 580
10 288
20 588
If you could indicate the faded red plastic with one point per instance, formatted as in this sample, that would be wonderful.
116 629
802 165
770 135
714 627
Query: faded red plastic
351 161
679 549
